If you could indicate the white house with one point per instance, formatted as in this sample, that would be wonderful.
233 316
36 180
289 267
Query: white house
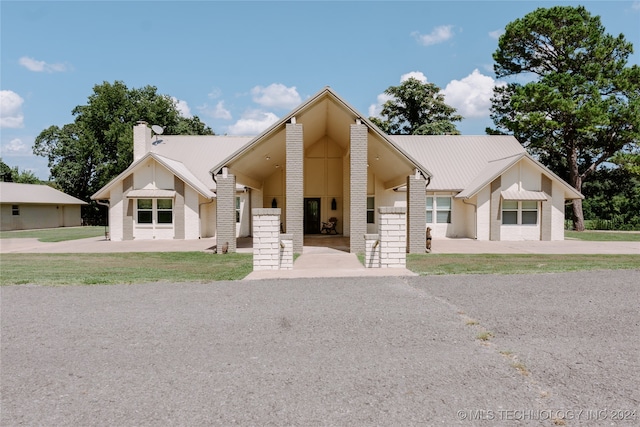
324 159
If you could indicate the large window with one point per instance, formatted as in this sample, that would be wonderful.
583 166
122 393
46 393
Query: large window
165 211
371 209
145 211
160 209
440 208
519 212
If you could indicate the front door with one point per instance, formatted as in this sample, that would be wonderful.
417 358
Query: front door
311 215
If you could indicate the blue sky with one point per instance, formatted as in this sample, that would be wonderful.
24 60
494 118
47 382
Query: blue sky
241 65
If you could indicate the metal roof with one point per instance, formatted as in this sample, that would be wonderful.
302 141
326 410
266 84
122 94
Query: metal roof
455 161
15 193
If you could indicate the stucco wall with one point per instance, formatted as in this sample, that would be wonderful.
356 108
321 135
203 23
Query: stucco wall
34 216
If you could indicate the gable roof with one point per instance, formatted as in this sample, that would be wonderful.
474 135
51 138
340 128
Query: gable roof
16 193
331 118
176 167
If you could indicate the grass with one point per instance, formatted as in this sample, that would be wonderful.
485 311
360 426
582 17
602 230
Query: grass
55 234
485 336
439 264
112 268
603 236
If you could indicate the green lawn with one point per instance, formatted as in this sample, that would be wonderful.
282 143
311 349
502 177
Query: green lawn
603 236
55 234
111 268
438 264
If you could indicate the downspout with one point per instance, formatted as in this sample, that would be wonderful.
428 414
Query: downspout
106 225
475 218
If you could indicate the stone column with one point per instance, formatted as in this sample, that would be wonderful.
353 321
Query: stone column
358 188
393 242
495 219
127 223
266 238
295 185
226 212
416 214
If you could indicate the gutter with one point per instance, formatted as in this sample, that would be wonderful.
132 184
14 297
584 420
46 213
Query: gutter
106 225
475 218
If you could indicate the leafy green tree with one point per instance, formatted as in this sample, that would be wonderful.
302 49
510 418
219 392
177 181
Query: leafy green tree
86 154
9 174
416 108
583 103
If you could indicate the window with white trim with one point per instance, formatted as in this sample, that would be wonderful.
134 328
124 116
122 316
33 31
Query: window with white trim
371 210
145 211
523 212
159 209
165 211
237 209
439 208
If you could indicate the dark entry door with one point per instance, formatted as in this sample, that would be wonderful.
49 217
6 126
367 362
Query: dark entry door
311 216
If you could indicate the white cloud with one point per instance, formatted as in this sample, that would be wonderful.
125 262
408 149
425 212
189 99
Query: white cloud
471 96
11 110
215 93
219 112
276 95
182 107
15 147
41 66
418 75
496 34
438 35
635 5
375 109
252 123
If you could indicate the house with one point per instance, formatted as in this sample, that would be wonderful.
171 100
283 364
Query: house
324 159
30 206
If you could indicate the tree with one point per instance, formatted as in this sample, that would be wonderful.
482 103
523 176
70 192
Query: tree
86 154
583 103
9 174
416 108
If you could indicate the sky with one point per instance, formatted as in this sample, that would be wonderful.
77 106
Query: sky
240 66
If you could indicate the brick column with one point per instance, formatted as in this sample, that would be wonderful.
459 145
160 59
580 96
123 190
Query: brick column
416 214
358 188
266 238
295 185
495 219
226 212
393 233
286 252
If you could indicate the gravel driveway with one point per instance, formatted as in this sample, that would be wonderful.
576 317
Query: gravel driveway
386 351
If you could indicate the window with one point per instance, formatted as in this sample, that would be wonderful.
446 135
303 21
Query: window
145 211
371 206
15 210
519 213
237 209
529 213
165 211
442 208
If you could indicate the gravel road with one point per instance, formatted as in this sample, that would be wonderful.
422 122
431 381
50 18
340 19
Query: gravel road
563 349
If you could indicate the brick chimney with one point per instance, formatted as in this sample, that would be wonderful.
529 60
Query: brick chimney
141 140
